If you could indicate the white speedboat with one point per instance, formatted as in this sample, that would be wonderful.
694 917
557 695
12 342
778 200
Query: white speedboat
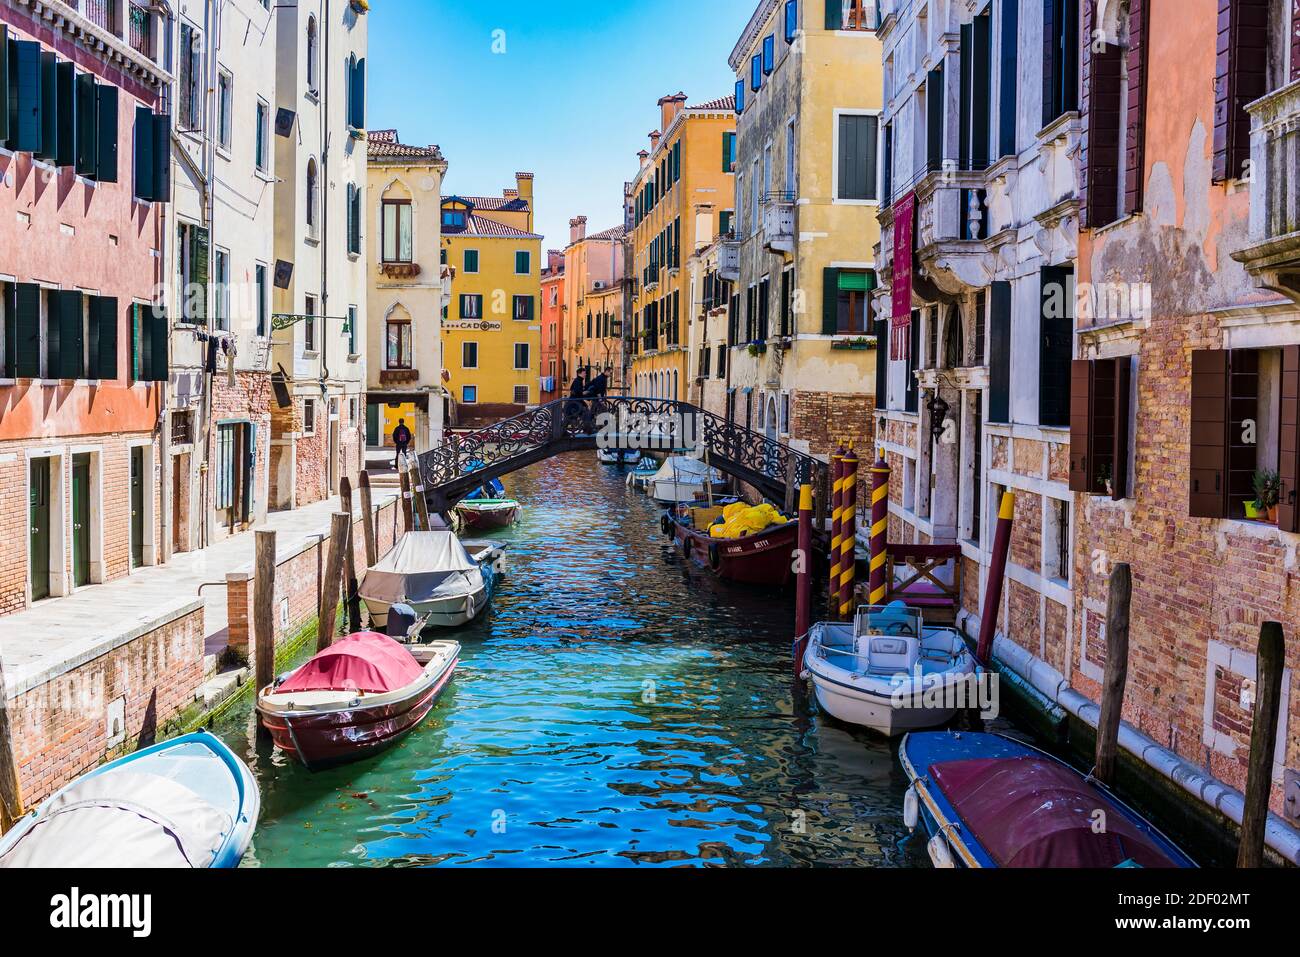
888 672
682 479
434 574
618 456
488 554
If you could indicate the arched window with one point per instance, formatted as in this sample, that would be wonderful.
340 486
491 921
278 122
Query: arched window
954 352
313 56
313 198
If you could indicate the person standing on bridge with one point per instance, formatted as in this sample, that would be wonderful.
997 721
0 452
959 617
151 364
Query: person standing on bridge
599 387
402 439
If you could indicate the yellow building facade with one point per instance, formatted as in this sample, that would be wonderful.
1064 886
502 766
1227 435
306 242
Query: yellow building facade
684 176
596 303
491 331
802 329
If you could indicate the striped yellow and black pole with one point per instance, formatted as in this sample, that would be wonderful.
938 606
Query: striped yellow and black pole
879 530
849 527
837 529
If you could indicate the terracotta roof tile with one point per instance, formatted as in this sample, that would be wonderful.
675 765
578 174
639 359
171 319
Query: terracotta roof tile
725 103
482 226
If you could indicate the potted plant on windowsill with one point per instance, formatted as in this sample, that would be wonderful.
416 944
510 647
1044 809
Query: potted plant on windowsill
1104 479
757 349
1268 486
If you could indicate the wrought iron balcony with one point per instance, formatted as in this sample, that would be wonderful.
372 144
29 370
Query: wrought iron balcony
102 13
1273 256
778 222
140 29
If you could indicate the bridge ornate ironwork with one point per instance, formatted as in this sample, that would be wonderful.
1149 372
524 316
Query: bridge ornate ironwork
462 464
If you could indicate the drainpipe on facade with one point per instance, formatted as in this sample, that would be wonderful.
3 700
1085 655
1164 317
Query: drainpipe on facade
1049 682
323 186
164 38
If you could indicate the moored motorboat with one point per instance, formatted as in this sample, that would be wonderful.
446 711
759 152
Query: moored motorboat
888 672
990 801
360 695
764 557
488 514
488 553
623 457
644 472
432 572
189 802
682 479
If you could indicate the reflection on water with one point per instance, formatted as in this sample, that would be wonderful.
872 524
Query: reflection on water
617 706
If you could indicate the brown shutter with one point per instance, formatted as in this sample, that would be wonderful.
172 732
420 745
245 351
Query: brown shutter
1135 135
1288 510
1119 446
1099 146
1081 426
1241 52
1209 435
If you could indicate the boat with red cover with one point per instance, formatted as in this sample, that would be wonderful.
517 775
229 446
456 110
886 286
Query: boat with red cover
991 801
763 558
357 697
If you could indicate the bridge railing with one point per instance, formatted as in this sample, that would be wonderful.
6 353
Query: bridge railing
649 425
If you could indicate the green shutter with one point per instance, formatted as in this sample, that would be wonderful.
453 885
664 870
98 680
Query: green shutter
27 331
53 333
66 109
159 338
358 94
724 221
72 324
49 106
853 281
87 125
198 275
834 14
144 162
106 145
11 324
830 301
4 87
25 96
135 333
162 154
103 331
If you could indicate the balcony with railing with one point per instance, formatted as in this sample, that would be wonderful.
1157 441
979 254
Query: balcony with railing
778 221
1273 256
139 29
102 13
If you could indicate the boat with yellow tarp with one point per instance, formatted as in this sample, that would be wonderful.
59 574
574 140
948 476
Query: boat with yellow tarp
740 542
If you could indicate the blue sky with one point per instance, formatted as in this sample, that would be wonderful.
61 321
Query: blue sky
571 99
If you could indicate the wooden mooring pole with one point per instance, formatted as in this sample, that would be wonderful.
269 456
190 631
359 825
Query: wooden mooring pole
1269 665
368 522
1112 688
332 582
11 795
350 560
803 579
264 614
417 492
408 517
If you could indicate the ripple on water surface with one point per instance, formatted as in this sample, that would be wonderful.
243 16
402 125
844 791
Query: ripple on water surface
618 706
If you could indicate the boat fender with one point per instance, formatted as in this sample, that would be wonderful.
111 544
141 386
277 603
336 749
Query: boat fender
665 525
911 808
940 852
715 557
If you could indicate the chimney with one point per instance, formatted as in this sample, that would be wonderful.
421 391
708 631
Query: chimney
654 140
644 157
511 194
669 107
554 262
577 229
524 185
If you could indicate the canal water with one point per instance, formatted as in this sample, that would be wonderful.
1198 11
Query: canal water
617 706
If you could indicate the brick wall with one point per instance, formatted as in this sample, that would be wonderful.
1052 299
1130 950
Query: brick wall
61 727
824 419
110 509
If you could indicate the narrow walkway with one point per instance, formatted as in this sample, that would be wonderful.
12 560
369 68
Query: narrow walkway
56 635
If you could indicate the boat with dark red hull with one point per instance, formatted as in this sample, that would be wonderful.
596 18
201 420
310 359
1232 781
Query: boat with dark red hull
357 697
760 558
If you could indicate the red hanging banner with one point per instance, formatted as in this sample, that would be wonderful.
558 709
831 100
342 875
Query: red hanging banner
900 327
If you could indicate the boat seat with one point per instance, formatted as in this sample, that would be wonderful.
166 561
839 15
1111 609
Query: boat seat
892 653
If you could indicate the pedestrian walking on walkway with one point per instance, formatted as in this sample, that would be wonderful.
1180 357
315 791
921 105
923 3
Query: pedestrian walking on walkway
402 439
